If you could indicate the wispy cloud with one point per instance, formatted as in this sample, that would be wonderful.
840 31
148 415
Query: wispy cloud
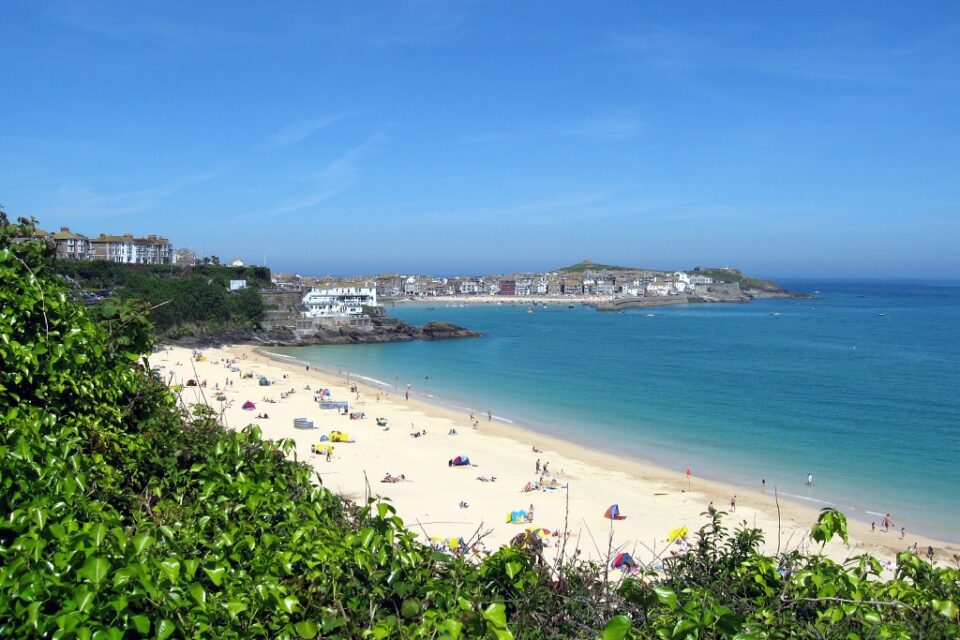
80 201
391 24
303 129
135 23
612 126
856 55
545 210
331 180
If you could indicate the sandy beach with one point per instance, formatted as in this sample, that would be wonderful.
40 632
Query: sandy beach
437 500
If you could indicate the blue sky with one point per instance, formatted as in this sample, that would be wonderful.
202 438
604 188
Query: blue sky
791 139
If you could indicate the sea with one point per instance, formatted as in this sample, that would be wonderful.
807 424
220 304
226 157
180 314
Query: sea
858 386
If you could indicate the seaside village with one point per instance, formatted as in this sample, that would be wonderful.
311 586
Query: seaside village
589 283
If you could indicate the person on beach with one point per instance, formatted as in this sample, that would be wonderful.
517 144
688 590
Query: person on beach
489 415
733 503
329 454
903 532
930 553
711 509
538 465
873 527
886 523
809 479
763 484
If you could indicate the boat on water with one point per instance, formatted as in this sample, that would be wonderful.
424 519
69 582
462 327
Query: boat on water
650 315
882 315
775 314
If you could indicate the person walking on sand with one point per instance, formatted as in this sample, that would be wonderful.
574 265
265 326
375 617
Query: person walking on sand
903 532
733 504
538 465
489 415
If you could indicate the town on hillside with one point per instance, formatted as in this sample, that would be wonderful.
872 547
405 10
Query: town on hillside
298 301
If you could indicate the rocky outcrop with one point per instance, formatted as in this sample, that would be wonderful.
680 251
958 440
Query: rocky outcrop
377 330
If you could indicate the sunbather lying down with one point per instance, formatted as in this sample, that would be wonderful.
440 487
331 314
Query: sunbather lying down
392 478
486 479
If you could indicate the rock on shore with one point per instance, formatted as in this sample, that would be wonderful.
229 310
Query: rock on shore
379 330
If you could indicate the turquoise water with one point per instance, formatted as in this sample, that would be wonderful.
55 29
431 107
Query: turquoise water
868 403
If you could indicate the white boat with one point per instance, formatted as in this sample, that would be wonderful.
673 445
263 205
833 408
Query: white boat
775 314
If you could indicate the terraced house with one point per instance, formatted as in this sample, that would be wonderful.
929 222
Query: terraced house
129 250
72 246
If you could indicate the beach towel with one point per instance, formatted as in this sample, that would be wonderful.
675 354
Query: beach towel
517 517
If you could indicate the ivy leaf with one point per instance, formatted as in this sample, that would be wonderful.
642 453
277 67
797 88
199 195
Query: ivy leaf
307 629
142 623
290 604
165 629
666 596
947 608
199 594
616 628
94 569
215 574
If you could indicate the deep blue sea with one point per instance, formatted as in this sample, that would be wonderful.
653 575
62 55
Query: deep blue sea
860 387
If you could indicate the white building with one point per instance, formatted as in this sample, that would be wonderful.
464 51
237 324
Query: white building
696 278
338 301
237 262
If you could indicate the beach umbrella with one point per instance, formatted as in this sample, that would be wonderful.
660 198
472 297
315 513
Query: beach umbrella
678 532
623 561
249 406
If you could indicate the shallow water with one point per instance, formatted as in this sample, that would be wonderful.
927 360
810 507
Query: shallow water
867 403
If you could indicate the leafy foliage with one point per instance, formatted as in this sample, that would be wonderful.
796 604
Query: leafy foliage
179 298
124 516
746 282
582 267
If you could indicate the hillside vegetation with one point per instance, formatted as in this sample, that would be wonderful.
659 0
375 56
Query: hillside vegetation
746 282
584 266
124 514
183 300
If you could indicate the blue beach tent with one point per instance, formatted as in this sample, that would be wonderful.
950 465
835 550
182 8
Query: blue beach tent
613 513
